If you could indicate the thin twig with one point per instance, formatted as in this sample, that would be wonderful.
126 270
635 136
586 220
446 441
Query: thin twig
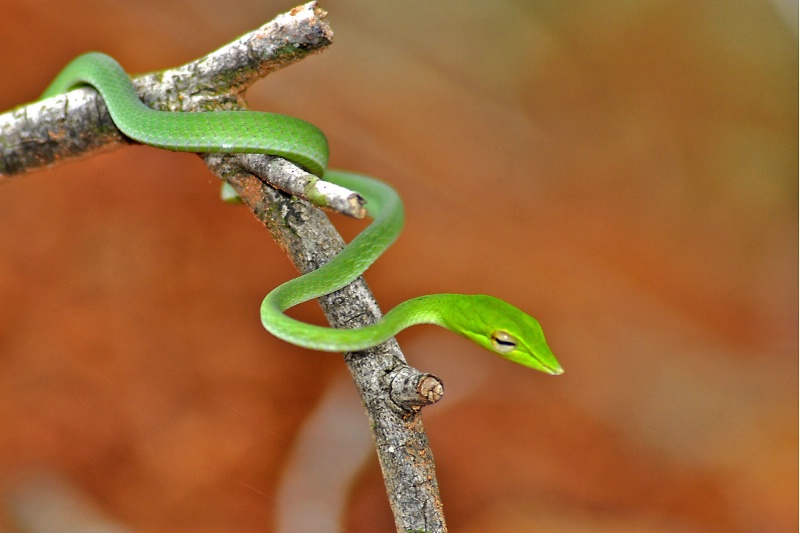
77 124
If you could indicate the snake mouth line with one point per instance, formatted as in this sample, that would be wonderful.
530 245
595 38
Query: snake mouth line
552 370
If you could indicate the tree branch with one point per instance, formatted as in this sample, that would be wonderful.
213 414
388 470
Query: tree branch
78 124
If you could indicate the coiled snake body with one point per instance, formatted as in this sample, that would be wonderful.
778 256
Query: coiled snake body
487 321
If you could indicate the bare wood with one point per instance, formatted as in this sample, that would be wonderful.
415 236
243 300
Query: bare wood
77 124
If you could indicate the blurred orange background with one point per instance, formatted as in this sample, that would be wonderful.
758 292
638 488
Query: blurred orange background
625 171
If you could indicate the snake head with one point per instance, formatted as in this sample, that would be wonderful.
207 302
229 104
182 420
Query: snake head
504 330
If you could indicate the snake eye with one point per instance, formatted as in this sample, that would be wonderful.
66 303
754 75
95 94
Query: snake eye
503 343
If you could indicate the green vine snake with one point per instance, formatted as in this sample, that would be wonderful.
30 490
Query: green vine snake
487 321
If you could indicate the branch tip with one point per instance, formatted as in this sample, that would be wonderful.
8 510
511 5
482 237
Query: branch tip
412 389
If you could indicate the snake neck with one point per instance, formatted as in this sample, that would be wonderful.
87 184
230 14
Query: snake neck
421 310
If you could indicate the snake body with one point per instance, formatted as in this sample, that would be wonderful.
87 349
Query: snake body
487 321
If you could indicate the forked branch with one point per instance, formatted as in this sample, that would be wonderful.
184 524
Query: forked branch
77 124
